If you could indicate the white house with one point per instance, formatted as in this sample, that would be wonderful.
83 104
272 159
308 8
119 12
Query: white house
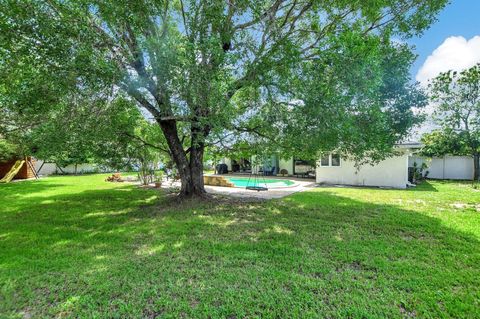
391 172
333 169
288 166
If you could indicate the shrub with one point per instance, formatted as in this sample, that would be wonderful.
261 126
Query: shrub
158 176
420 173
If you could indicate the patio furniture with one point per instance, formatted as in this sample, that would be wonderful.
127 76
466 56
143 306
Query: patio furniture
301 174
270 172
222 169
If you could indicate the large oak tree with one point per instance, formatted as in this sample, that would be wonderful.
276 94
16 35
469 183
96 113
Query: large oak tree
307 75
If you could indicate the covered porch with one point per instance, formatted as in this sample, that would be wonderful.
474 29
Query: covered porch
270 166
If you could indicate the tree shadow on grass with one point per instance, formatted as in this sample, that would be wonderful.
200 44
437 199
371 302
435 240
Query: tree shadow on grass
111 253
15 190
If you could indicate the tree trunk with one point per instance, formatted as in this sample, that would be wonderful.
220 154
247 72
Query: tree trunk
196 169
191 172
191 176
476 167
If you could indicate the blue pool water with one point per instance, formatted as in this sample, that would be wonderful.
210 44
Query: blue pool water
260 182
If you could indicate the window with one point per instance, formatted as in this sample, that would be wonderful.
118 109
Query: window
325 160
331 160
335 160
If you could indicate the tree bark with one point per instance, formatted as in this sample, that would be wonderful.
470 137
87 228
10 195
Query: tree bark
476 167
196 169
190 171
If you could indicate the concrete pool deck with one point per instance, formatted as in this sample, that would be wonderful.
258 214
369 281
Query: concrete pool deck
239 192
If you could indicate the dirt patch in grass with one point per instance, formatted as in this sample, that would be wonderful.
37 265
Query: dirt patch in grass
475 207
406 313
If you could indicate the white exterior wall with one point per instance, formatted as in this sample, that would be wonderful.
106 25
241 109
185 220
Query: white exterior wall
255 165
392 172
286 164
448 167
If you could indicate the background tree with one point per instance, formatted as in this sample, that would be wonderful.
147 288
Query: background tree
84 124
456 97
106 132
8 150
444 142
203 69
360 111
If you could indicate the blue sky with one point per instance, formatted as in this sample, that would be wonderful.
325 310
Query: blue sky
459 18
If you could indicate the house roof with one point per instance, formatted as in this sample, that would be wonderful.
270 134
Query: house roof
409 144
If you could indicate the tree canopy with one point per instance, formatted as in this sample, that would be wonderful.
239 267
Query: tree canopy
7 150
456 97
444 142
300 76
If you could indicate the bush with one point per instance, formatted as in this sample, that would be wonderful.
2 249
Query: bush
146 172
158 176
420 173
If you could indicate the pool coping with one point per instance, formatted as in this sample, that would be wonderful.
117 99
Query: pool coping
295 183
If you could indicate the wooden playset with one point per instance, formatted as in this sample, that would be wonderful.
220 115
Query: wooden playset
17 169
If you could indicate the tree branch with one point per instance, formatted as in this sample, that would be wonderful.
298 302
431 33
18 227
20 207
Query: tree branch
269 12
145 143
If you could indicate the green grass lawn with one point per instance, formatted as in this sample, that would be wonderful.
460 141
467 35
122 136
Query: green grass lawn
81 247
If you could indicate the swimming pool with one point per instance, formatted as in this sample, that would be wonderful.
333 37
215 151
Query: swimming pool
261 182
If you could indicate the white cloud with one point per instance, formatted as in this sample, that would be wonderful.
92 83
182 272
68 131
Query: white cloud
455 53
